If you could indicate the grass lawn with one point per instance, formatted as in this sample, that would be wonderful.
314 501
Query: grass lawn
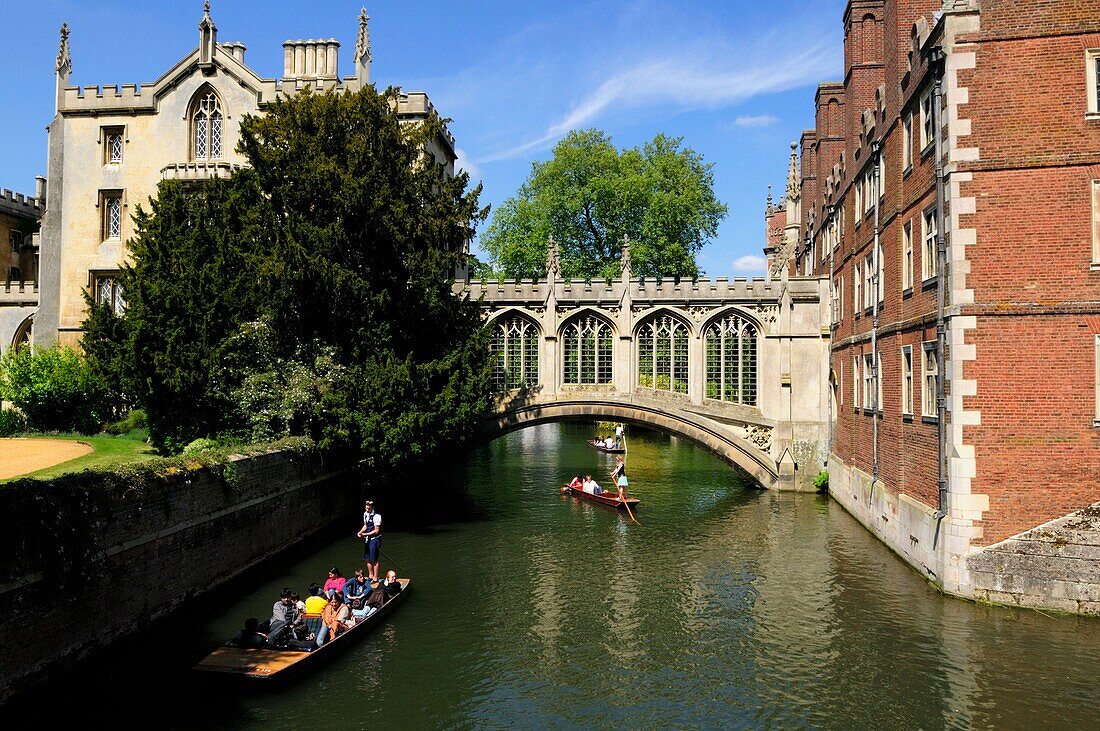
106 450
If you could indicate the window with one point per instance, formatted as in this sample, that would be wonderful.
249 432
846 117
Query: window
878 381
881 174
1096 224
927 121
931 378
15 241
731 360
515 351
112 145
587 342
840 235
834 300
1092 81
857 285
907 143
868 382
907 380
111 205
1096 421
907 255
855 381
663 355
107 290
859 199
868 281
881 272
207 127
928 250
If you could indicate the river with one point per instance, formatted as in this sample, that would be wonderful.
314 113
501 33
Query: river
727 607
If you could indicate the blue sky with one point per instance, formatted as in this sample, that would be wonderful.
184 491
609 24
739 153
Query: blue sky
735 79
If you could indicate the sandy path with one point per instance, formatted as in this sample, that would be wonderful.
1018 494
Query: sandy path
20 456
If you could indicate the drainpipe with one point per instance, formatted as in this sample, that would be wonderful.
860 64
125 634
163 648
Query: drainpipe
938 59
875 405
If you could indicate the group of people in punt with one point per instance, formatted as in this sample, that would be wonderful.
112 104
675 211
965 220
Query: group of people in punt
330 609
591 486
610 442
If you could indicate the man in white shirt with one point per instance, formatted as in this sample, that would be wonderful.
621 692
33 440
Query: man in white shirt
371 533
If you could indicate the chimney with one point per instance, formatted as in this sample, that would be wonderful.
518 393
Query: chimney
235 48
311 59
40 190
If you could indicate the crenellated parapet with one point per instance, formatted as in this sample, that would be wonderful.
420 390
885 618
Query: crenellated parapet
17 204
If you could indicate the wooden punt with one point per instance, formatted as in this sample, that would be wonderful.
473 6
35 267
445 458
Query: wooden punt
611 499
270 664
601 448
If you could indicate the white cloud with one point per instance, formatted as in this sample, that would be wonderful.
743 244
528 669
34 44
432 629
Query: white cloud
759 120
465 163
684 83
750 263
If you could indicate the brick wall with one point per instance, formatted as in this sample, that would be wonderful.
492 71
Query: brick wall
159 545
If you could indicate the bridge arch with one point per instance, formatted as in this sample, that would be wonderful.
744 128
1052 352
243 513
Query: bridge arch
521 413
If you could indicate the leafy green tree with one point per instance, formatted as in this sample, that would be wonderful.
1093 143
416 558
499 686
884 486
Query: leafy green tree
590 195
55 389
309 293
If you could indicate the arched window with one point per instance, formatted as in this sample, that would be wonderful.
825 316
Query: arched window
587 348
206 127
663 355
515 351
731 360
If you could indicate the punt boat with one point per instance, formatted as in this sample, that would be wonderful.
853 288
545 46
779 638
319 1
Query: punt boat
268 664
601 448
611 498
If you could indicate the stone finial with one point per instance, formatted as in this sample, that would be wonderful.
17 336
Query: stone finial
768 203
792 172
362 50
624 262
64 63
553 260
208 39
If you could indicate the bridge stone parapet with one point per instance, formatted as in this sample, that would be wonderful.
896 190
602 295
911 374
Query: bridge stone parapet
738 366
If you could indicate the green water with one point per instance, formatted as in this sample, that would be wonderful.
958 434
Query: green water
728 607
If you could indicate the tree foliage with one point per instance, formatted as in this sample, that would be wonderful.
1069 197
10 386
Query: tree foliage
590 195
309 294
55 389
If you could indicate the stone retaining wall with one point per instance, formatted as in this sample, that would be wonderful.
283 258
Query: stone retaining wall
157 546
1054 566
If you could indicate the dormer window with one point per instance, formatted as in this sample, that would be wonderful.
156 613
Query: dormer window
207 127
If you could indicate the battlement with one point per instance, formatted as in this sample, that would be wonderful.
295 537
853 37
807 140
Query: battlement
417 104
18 204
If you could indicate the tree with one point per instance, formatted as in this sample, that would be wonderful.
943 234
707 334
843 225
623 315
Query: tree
54 388
588 196
322 271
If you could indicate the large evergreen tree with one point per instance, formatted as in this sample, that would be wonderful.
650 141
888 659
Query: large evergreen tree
590 195
324 267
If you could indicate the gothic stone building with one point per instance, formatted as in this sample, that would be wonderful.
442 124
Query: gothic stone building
19 216
110 147
950 190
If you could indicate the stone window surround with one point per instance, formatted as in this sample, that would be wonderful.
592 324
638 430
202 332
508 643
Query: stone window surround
928 243
105 135
927 119
96 278
907 256
929 379
855 382
907 380
907 143
104 205
1095 186
1092 90
868 382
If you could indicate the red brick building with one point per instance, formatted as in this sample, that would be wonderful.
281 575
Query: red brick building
985 281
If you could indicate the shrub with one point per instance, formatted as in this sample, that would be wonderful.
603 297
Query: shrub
55 388
821 482
12 422
200 445
133 420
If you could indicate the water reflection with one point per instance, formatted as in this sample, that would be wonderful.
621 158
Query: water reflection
728 607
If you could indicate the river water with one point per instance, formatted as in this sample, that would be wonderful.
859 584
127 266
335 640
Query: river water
727 607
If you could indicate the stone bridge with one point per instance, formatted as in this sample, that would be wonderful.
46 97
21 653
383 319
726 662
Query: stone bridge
739 367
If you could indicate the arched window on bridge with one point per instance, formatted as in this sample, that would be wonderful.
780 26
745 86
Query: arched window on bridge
515 351
731 360
587 347
663 355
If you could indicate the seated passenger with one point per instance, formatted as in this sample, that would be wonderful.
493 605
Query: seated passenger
590 486
384 591
334 620
297 599
335 582
577 482
250 637
315 602
356 590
